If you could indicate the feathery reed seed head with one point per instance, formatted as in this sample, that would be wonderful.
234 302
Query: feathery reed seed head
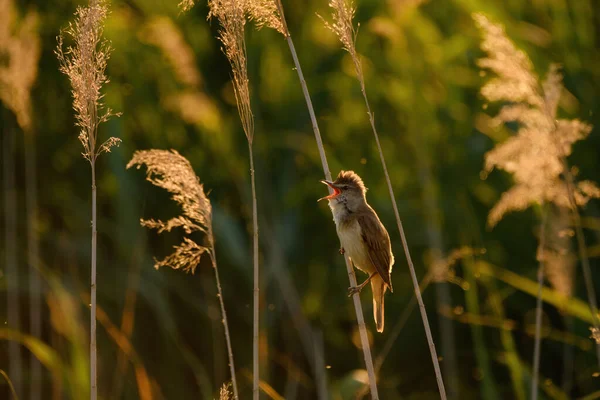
232 18
266 13
173 172
342 15
225 392
19 56
84 63
534 154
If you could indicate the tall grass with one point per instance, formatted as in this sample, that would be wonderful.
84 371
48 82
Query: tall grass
173 172
343 27
84 62
270 13
231 15
536 154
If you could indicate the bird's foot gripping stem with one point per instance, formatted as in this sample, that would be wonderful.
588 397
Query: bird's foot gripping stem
352 290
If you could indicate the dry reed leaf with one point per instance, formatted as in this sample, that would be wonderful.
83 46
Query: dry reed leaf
19 55
173 172
85 63
534 154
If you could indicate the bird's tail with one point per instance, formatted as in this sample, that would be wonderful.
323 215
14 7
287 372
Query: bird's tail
378 287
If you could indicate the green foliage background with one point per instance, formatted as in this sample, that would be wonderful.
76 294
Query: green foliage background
421 75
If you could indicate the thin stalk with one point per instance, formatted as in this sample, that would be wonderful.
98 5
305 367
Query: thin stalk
538 311
364 339
35 288
585 262
213 257
93 353
255 338
413 275
15 365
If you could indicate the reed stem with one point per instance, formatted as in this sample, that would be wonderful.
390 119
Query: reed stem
255 349
364 339
413 275
538 311
93 349
213 256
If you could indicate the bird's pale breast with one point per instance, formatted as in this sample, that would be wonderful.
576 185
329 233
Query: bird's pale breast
351 237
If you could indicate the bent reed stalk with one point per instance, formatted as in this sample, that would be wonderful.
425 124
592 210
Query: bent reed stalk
174 173
364 339
343 27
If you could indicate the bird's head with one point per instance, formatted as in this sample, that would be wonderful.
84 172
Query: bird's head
348 188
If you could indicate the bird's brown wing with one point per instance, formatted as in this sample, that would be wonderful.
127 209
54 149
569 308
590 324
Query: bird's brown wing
378 245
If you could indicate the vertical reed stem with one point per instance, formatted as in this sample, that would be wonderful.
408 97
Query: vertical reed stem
93 353
585 262
213 256
364 339
538 310
413 275
255 349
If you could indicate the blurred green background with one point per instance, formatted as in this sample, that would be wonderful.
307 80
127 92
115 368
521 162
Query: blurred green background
172 84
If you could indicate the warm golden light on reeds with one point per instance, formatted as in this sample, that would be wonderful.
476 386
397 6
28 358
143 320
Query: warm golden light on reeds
85 63
232 20
20 50
171 171
343 27
534 155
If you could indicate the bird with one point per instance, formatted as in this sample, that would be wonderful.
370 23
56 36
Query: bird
363 238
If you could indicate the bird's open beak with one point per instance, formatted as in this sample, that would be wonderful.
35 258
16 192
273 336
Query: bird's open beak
336 191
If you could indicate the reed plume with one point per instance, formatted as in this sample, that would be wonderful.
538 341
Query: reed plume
84 62
231 15
171 171
20 51
343 27
270 13
536 154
